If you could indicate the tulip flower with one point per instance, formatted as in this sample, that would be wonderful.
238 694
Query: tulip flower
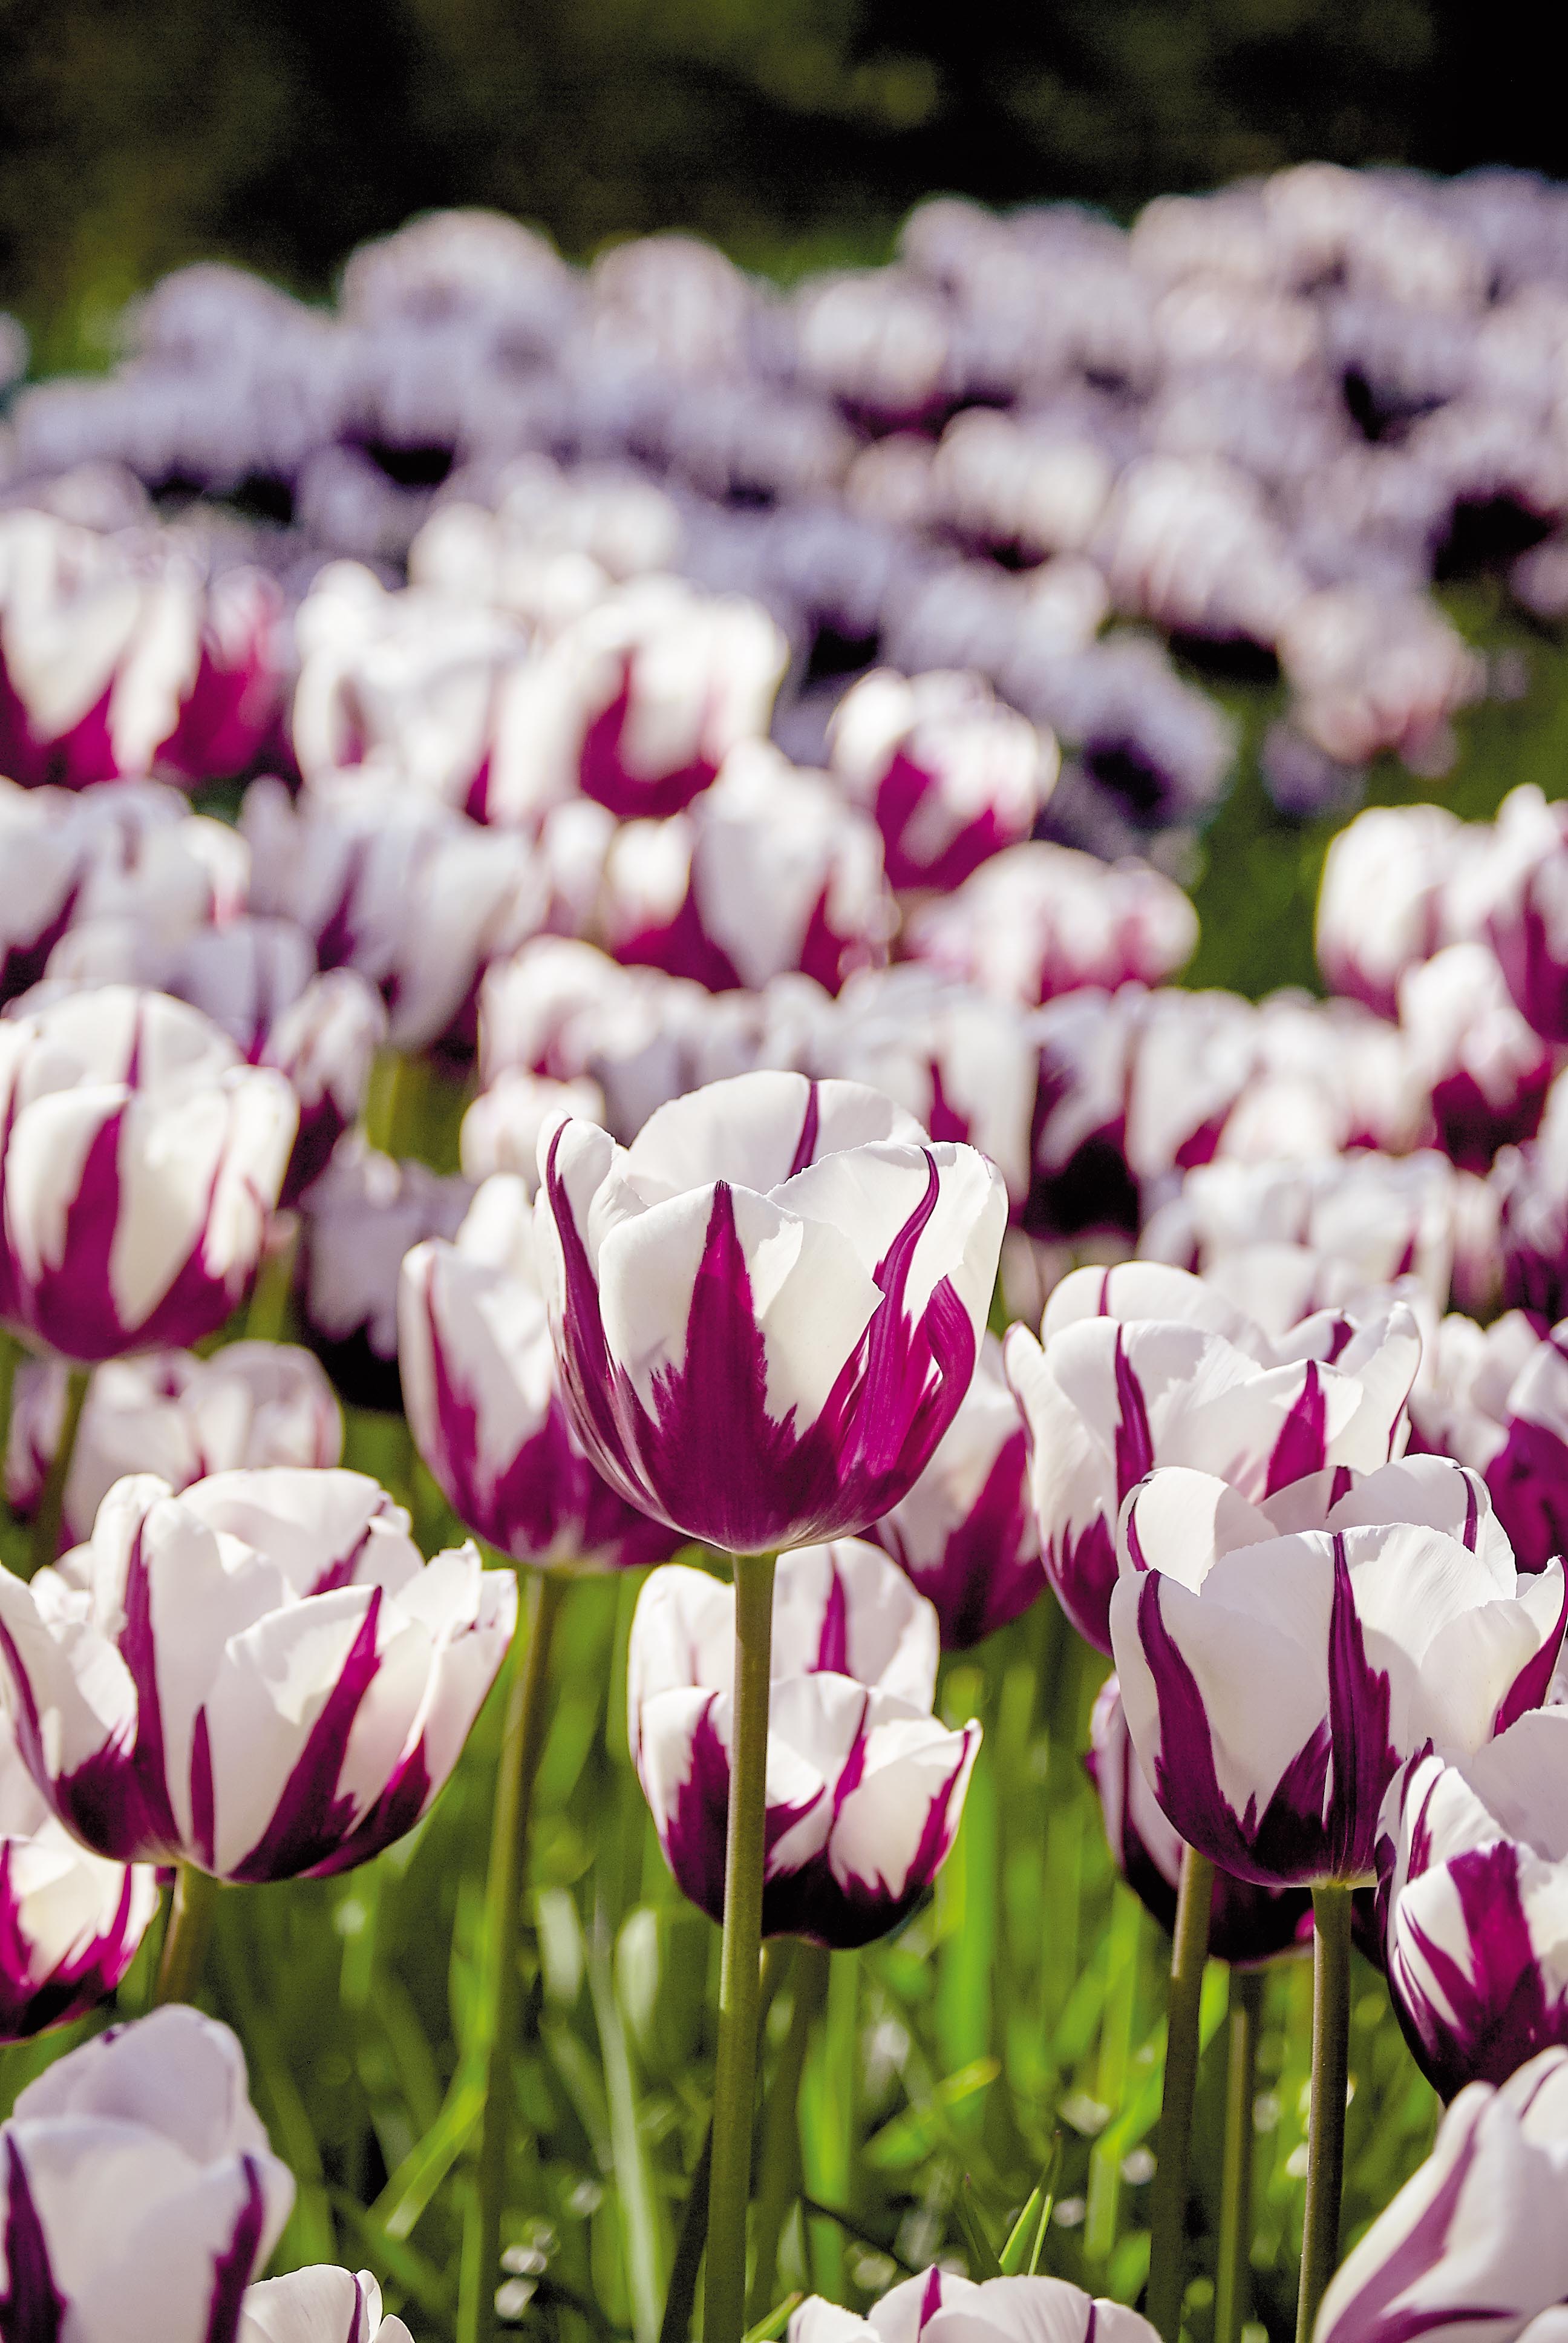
1529 1186
1470 1868
259 1676
1144 1366
502 1127
140 1160
316 2305
484 1400
138 2192
949 775
1248 1924
865 1787
1487 1072
1474 2243
1385 904
1496 1398
1524 890
1038 919
1080 1179
69 1921
356 1222
250 1404
1276 1677
937 2306
966 1534
769 872
769 1307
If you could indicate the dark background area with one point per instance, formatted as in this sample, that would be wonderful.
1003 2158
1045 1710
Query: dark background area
279 133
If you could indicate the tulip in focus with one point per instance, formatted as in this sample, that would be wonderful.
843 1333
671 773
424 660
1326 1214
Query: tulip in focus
1276 1678
250 1404
769 1307
483 1395
139 1162
70 1922
966 1534
1473 1863
1475 2242
138 2195
319 2305
1142 1365
865 1787
1248 1924
260 1676
937 2306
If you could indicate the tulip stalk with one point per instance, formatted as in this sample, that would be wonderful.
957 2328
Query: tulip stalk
47 1519
1330 2068
192 1906
522 1745
1233 2264
735 2072
779 2166
1168 2206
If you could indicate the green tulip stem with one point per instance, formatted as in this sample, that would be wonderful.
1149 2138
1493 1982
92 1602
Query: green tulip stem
191 1909
1168 2206
1234 2262
1330 2073
51 1513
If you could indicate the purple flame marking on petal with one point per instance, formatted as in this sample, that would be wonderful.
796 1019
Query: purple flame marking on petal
833 1644
1302 1446
1134 1442
1370 2317
1533 1681
805 1145
311 1820
32 2308
1364 1760
231 2269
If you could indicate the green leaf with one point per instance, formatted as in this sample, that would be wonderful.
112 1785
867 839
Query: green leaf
983 2262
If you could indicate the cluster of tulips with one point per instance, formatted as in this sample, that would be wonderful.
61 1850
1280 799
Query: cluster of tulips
789 1099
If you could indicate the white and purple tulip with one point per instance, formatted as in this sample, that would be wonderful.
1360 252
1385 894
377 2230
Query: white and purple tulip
769 1307
1472 1868
966 1534
1280 1663
138 2196
1040 919
937 2306
950 775
356 1222
1496 1397
318 2305
260 1676
1474 2244
1142 1365
482 1392
865 1787
70 1922
169 1412
139 1162
1384 904
1487 1072
1248 1924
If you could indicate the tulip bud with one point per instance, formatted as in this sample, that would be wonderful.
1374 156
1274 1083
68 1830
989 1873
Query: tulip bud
310 2305
260 1676
865 1787
138 2192
140 1160
483 1395
1276 1677
769 1307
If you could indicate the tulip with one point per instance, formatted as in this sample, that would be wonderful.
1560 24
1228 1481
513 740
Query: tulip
1277 1677
949 775
1079 1177
1144 1366
769 872
966 1535
1471 1888
1037 920
1487 1072
483 1399
769 1307
138 2192
250 1404
1248 1924
319 2305
140 1161
1497 1399
1475 2242
260 1676
1523 889
1385 902
938 2307
358 1221
865 1787
69 1921
501 1129
1529 1185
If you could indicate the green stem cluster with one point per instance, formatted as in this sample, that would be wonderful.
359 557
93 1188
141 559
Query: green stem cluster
1168 2207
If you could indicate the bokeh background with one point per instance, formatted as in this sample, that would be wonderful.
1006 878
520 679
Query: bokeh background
279 133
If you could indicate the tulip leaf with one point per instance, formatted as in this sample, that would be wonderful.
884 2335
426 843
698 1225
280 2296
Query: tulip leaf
769 2329
982 2254
1026 2239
